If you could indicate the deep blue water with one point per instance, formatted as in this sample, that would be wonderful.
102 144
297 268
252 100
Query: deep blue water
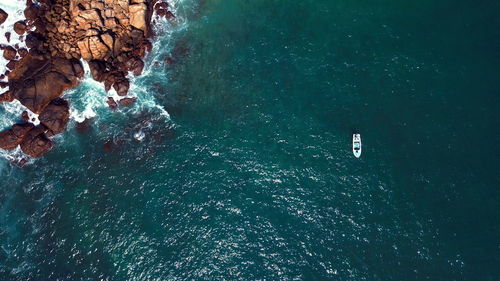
250 174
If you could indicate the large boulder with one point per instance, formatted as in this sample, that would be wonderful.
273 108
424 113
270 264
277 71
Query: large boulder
55 116
98 70
36 143
11 138
37 81
3 16
127 101
6 97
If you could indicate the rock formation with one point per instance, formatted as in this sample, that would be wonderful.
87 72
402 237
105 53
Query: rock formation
3 16
111 35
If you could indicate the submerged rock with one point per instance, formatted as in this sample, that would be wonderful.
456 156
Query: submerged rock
36 143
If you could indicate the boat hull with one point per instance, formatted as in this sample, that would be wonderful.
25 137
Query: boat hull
356 145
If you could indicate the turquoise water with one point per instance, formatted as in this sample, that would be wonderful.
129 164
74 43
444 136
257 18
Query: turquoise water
250 174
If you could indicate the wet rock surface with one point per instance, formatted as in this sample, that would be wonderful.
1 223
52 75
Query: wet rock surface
111 35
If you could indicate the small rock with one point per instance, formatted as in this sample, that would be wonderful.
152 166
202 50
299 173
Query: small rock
20 27
127 102
9 53
3 16
112 103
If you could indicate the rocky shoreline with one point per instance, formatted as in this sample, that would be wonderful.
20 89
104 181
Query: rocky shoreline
112 36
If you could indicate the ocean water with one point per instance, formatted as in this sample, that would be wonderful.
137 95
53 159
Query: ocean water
236 162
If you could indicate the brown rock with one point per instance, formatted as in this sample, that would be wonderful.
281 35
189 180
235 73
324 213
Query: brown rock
127 101
4 84
55 116
25 116
11 138
35 82
20 27
3 16
112 103
36 143
162 5
98 70
98 49
6 97
137 13
135 65
31 12
12 64
22 52
9 53
84 47
121 87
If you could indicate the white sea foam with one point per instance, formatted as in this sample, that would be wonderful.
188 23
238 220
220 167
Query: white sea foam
15 9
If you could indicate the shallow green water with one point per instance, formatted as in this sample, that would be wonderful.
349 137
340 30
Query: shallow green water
253 176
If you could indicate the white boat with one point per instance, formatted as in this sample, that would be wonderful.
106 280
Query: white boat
356 145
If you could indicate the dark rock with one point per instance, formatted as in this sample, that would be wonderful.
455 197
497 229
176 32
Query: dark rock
108 146
33 40
20 27
135 65
4 84
84 127
127 101
7 35
11 138
12 64
22 52
31 11
112 103
55 116
169 61
98 70
9 53
6 97
121 87
36 143
162 5
3 16
25 116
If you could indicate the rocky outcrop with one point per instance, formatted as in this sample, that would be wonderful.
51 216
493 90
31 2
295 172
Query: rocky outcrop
11 138
20 27
36 143
3 16
36 81
111 35
55 116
